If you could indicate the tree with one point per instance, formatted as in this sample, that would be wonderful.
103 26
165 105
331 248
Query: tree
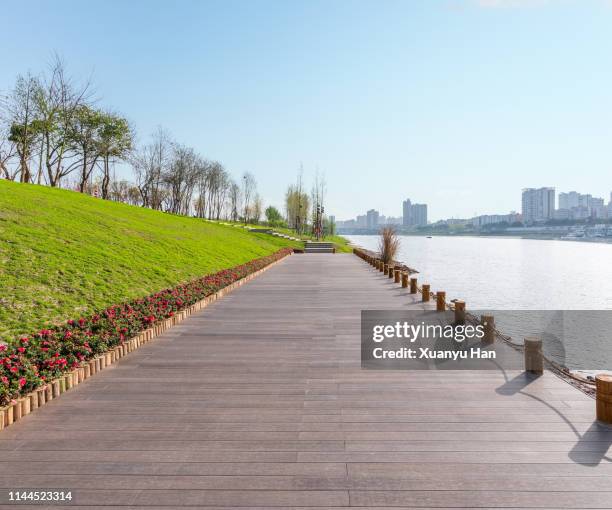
149 164
114 142
87 136
234 197
256 210
318 209
273 215
57 104
24 125
297 204
248 190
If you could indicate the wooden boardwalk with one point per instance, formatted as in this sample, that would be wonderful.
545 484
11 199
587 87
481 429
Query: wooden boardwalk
258 401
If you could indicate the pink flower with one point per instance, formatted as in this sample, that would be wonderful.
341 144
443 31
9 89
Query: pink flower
22 382
4 379
21 349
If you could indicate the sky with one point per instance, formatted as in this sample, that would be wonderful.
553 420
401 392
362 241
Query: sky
455 103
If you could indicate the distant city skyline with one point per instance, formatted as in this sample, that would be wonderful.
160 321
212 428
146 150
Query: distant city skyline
536 205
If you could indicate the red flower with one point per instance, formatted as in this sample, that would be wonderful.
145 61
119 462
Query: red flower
21 349
22 382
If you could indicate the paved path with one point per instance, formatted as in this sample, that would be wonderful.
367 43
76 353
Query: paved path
259 401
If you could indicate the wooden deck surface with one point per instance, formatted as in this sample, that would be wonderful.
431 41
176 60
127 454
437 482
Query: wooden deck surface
259 401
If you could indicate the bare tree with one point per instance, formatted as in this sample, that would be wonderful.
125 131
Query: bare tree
7 156
234 198
149 164
297 204
257 208
249 188
181 179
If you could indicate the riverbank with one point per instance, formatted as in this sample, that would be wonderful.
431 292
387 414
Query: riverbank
541 237
513 274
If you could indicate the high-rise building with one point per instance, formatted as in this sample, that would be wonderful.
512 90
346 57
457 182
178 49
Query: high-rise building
372 218
414 214
597 208
538 204
569 200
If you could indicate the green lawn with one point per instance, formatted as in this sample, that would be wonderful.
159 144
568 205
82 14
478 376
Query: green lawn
63 254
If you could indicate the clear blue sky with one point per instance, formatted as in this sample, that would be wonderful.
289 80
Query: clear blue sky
456 103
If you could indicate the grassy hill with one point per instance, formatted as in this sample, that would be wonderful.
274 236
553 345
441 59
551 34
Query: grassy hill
63 254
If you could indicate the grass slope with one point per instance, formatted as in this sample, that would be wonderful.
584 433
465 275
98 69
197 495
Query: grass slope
63 254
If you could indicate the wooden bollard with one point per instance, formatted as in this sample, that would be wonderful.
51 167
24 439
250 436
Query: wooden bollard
426 292
56 388
9 416
34 400
17 410
2 413
397 274
42 397
459 312
604 398
405 279
26 406
386 269
391 271
48 393
488 324
534 362
413 285
440 301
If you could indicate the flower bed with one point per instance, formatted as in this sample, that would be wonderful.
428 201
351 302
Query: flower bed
32 361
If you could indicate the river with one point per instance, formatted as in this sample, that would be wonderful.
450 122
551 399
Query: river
518 274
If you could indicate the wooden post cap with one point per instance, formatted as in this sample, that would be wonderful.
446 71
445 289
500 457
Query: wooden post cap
488 324
459 312
534 362
426 292
604 398
413 285
441 301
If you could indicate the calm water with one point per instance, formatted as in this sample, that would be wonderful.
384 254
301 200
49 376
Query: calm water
518 274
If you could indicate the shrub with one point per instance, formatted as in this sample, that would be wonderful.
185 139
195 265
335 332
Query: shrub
388 244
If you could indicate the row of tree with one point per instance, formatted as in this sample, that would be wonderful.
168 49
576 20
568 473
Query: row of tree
52 132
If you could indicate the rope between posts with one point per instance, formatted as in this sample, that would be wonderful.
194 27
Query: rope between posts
553 365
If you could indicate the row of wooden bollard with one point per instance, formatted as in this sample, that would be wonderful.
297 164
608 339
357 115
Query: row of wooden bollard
534 358
406 281
23 406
